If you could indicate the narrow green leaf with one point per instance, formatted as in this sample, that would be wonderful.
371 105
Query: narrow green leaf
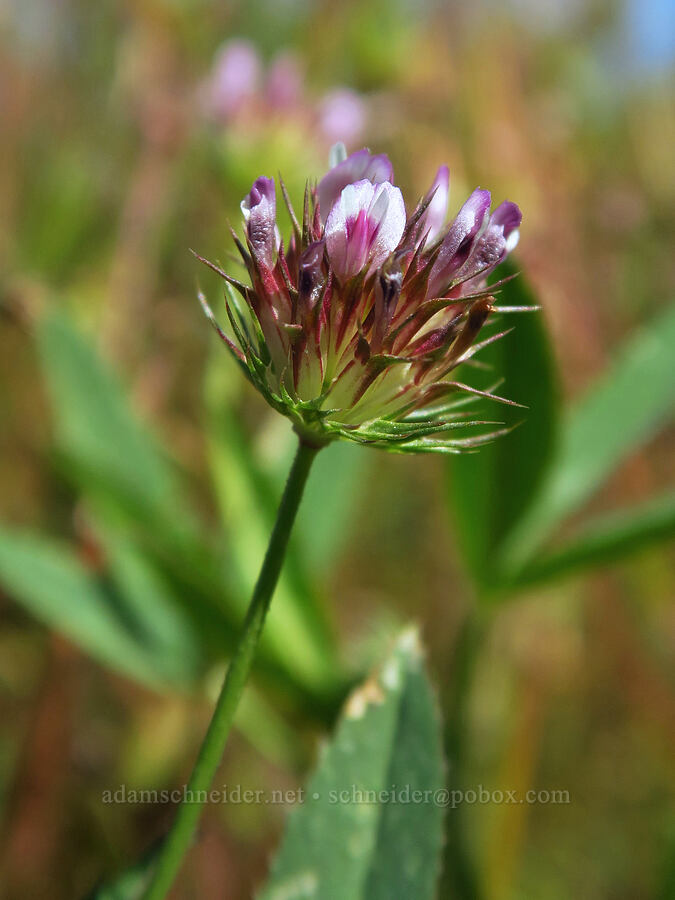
296 629
129 484
157 618
491 489
630 402
133 488
331 497
341 843
48 580
96 428
606 539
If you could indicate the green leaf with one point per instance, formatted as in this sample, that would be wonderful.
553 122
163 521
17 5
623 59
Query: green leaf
49 581
331 497
133 489
296 630
605 539
346 846
491 489
96 428
629 403
154 615
130 486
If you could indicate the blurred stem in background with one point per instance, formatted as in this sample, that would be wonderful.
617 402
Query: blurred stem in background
211 751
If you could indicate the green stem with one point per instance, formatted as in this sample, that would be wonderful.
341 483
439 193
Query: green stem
211 752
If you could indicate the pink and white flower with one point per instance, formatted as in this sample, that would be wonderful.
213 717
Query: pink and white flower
353 328
364 227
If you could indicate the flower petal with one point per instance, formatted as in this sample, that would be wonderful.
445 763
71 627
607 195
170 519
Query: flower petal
259 209
458 242
488 251
509 215
433 218
345 233
338 154
493 245
391 219
357 167
364 227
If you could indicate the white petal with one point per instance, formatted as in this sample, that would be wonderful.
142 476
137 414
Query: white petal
512 240
392 223
353 199
338 154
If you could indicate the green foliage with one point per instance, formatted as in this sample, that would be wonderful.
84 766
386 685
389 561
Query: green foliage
110 171
509 498
247 499
171 574
605 539
133 492
387 740
153 613
491 489
48 579
630 402
323 523
97 430
249 477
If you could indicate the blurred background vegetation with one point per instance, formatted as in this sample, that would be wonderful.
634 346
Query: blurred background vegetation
139 473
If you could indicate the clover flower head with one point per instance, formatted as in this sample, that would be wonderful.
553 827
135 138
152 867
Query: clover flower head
353 329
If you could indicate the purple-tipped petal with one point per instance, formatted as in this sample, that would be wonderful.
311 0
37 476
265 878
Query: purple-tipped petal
433 218
491 248
259 208
466 226
508 215
360 166
364 227
458 242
